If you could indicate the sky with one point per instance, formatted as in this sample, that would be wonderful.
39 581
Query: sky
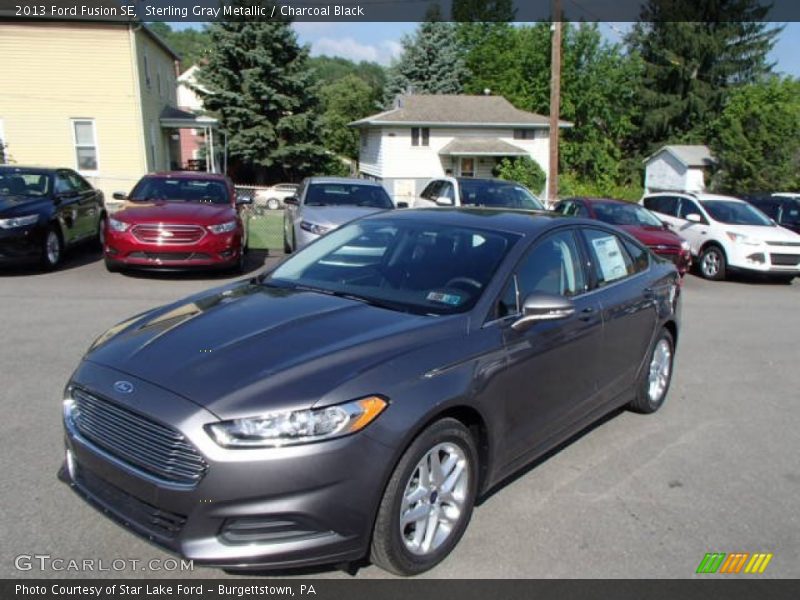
380 42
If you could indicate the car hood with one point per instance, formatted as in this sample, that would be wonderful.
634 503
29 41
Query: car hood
335 216
174 212
653 236
764 233
14 205
246 349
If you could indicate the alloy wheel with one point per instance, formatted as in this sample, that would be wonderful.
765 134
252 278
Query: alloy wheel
660 367
52 248
711 263
434 498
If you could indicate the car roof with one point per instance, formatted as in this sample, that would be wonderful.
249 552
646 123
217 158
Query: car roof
350 180
590 200
20 168
697 196
188 175
523 222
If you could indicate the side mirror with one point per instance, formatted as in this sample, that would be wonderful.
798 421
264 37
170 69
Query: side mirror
665 225
243 199
120 196
402 205
543 307
444 201
694 218
291 201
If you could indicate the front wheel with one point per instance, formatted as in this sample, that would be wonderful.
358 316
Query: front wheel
654 383
287 249
52 249
713 263
428 501
273 204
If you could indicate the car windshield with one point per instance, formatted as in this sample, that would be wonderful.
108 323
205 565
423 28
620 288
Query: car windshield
347 194
24 182
735 213
618 213
180 189
499 194
404 265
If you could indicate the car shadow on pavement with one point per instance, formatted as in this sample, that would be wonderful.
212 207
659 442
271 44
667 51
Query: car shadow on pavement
351 569
74 258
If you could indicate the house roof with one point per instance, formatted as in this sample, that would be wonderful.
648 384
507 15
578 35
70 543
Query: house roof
176 118
481 146
456 110
689 155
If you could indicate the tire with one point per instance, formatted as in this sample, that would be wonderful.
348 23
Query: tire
653 385
52 249
111 267
287 249
273 204
401 548
99 240
712 263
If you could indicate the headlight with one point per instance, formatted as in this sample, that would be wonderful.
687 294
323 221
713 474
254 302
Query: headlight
18 221
117 225
222 227
685 246
314 228
742 239
297 426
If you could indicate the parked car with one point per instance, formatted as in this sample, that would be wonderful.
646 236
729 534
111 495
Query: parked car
726 233
324 203
176 221
272 198
44 211
781 207
467 191
354 403
636 220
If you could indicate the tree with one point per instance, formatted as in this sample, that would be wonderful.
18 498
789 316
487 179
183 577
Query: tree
694 54
345 100
756 139
431 63
259 88
191 44
523 170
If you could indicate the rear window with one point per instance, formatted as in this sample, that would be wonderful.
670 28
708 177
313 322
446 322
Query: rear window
345 194
498 194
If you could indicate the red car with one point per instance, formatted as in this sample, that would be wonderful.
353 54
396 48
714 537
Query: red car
636 220
177 221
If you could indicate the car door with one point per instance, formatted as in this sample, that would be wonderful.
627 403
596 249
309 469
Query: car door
67 202
428 196
618 272
291 214
551 373
90 205
696 233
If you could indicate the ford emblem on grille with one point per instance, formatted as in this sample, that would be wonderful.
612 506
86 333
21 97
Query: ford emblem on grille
124 387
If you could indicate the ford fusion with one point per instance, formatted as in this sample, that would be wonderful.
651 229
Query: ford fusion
354 401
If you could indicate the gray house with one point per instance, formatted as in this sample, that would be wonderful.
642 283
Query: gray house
678 168
427 136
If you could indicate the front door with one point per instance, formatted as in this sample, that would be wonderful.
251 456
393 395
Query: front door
466 166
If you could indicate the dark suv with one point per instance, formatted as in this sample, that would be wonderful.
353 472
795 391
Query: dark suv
783 208
43 211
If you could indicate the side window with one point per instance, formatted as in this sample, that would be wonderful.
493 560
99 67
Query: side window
78 182
639 256
771 209
581 210
608 255
508 303
552 267
431 192
566 207
446 190
63 184
688 207
666 205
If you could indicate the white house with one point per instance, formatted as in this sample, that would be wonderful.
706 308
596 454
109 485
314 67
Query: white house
677 168
426 136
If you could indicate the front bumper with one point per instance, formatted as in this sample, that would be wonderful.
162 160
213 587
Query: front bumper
260 508
21 244
124 250
764 258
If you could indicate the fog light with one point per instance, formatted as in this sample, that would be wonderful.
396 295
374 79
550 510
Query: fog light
226 253
758 257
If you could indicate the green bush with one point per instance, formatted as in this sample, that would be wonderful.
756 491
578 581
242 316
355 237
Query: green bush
570 185
523 170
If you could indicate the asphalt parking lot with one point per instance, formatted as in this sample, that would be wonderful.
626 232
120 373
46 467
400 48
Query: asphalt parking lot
717 469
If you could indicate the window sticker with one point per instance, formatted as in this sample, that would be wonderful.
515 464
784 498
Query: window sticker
610 258
442 298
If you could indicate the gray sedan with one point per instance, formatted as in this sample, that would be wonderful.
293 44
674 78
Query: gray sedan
324 203
357 399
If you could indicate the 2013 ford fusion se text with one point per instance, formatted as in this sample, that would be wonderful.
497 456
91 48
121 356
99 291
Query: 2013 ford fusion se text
355 400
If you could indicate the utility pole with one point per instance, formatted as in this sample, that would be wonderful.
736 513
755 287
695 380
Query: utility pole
555 102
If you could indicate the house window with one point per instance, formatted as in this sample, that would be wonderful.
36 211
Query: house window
423 132
83 133
468 167
524 134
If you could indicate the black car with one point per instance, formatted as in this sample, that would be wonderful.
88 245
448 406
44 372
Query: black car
783 208
354 401
44 211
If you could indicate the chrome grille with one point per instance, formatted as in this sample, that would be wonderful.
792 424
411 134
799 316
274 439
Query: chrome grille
152 447
168 234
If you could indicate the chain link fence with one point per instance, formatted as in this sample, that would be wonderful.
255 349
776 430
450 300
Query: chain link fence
265 227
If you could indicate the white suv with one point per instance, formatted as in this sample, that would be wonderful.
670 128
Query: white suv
727 233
